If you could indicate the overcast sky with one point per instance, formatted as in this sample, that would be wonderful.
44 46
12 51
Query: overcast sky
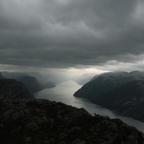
106 34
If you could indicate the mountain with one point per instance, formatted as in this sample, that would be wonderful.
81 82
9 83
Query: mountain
31 82
121 92
1 76
13 90
35 121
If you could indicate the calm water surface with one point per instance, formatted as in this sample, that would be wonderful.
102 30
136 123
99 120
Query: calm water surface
64 93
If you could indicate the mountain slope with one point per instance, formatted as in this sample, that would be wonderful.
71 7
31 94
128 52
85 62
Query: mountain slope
1 76
13 90
36 121
31 82
121 92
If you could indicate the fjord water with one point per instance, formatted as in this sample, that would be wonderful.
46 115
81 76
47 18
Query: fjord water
63 92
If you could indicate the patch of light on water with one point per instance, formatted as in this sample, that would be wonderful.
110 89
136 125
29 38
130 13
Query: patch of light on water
64 93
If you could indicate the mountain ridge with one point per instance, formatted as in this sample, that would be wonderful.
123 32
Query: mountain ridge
121 92
37 121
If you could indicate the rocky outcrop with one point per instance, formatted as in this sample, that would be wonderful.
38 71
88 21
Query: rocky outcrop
43 122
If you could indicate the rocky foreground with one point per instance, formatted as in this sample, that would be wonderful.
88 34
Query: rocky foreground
26 120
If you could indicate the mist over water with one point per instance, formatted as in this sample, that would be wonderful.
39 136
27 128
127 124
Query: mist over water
64 93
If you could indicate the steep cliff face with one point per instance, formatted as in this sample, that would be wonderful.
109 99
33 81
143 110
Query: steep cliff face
34 121
120 92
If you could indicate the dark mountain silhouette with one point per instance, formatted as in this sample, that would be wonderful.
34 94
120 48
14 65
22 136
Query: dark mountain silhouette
25 120
121 92
12 90
1 76
31 82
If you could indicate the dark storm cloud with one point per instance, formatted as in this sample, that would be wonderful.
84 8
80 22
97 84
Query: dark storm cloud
63 33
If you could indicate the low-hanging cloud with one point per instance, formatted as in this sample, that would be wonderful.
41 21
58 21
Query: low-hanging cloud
65 33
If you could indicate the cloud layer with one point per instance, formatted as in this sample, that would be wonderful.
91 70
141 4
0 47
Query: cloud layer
66 33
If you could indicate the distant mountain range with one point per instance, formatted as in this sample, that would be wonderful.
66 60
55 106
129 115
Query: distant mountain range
121 92
31 82
26 120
